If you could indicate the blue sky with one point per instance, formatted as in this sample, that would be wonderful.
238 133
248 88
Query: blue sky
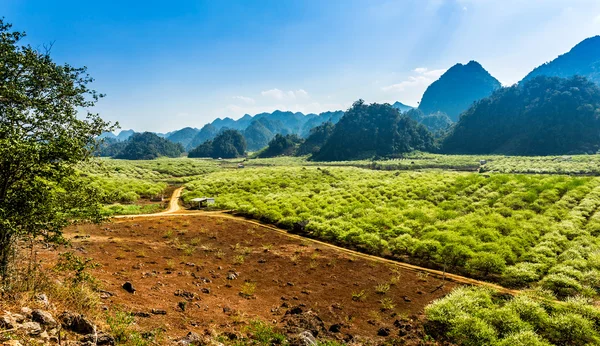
169 64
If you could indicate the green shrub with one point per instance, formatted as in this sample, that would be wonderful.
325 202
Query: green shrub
486 263
523 338
561 285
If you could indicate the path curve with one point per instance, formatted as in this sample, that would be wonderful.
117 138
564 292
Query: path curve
176 210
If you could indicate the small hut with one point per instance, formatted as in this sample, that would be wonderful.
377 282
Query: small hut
203 201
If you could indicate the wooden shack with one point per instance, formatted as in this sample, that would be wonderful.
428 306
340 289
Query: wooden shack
203 202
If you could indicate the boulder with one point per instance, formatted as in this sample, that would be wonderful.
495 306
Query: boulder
128 286
32 328
7 321
307 338
43 317
77 323
99 339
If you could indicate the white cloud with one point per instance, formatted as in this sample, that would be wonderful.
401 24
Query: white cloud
279 94
423 77
245 99
597 19
411 89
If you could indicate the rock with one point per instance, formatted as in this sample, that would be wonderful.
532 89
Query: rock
231 276
99 339
190 339
205 290
307 338
226 309
406 299
18 317
42 298
182 305
8 322
128 286
43 317
159 312
383 331
335 328
141 314
300 227
12 343
185 294
26 311
77 323
32 328
294 311
44 336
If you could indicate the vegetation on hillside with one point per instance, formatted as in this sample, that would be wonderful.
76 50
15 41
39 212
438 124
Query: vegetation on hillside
544 116
227 144
281 145
582 60
148 146
316 139
374 130
456 90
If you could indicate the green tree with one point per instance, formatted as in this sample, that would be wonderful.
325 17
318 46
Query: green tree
41 139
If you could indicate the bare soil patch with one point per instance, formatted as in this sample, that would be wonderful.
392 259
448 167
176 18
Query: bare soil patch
199 273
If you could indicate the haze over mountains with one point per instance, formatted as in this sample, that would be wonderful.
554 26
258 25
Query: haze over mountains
463 90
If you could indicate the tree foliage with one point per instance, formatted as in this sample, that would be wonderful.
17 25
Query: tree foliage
374 130
281 145
544 116
316 139
148 146
41 139
228 144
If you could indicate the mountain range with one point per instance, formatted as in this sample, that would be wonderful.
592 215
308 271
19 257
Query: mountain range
443 102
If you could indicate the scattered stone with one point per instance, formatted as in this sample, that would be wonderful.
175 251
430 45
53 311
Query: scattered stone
26 311
77 323
205 290
182 305
232 276
336 306
32 328
128 286
18 317
43 317
335 328
8 322
307 292
12 343
294 311
99 339
141 314
290 284
190 339
185 294
307 338
226 309
159 312
383 331
262 260
42 298
406 299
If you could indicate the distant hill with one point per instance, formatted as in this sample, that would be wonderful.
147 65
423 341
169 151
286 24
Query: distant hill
148 146
542 116
457 89
582 60
227 144
401 107
372 130
183 136
207 132
124 135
